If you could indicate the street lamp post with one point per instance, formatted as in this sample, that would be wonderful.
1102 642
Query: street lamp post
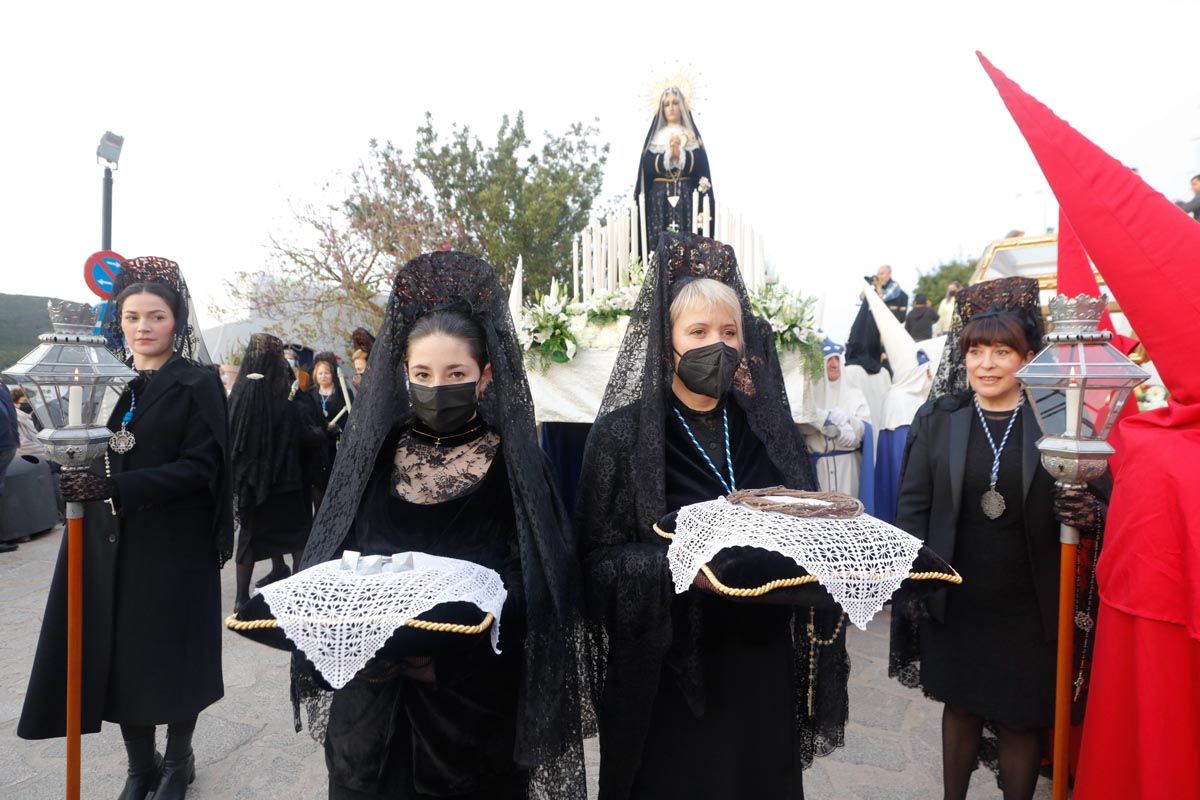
108 152
73 383
1087 378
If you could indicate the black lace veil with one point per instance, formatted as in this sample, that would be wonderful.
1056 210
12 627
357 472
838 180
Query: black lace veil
151 269
548 737
262 432
1017 296
644 367
623 485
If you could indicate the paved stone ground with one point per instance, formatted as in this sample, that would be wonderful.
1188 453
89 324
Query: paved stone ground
246 747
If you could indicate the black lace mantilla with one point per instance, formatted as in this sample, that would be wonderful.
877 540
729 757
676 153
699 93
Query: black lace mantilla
548 739
264 434
151 269
622 494
1017 296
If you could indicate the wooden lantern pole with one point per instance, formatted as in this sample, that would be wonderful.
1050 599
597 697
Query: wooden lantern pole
74 616
1068 538
74 645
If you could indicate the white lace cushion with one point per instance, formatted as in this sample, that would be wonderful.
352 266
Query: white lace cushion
340 619
861 561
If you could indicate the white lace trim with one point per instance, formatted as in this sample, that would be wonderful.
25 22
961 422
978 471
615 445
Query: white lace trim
861 561
340 613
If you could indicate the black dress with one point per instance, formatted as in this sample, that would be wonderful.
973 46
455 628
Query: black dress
733 735
152 584
661 182
989 655
390 736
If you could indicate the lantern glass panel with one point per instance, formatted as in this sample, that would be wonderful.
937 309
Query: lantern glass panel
49 372
1079 388
51 410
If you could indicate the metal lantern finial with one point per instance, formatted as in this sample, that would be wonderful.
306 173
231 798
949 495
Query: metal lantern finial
73 383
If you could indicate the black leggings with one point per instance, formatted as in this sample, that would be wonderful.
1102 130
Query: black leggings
1020 755
175 730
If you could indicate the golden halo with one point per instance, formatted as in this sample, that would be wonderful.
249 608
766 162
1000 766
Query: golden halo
681 75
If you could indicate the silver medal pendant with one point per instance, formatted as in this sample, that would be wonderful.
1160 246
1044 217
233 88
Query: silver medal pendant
993 504
122 441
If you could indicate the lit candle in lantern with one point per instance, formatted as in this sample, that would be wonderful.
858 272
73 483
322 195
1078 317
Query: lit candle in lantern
1072 395
75 403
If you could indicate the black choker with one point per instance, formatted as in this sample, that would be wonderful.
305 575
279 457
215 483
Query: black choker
449 439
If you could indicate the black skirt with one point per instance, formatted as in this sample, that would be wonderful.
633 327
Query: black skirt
278 527
990 655
744 742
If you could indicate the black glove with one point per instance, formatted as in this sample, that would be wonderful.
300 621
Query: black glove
1077 507
82 486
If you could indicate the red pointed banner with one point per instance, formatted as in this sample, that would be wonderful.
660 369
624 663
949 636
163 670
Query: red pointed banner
1075 277
1145 247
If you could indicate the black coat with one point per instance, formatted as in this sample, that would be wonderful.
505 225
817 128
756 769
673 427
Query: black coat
931 497
920 321
151 575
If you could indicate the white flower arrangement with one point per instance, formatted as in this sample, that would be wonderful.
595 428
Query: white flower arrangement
551 328
544 328
791 320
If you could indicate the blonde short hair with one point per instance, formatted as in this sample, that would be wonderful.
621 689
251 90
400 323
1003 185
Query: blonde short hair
707 293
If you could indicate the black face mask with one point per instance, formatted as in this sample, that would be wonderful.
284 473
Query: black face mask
708 370
444 409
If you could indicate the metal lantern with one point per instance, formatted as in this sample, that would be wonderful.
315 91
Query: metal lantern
73 383
1080 383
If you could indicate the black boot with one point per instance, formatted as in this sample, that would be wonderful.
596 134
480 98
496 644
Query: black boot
179 767
145 765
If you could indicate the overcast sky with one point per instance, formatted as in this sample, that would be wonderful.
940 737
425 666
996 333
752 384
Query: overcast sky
854 134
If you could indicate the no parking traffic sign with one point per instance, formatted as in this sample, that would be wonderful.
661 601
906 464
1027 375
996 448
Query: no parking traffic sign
99 271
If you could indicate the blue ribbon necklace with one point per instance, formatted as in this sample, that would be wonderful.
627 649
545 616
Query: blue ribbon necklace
123 441
731 484
992 502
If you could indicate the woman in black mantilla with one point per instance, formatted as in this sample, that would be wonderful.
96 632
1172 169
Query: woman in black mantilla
447 462
973 488
277 441
152 590
698 696
674 163
329 397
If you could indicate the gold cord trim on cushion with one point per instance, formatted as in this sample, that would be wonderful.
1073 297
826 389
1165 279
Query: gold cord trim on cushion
758 591
801 580
235 624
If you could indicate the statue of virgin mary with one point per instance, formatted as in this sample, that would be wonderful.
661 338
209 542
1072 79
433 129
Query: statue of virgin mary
674 163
